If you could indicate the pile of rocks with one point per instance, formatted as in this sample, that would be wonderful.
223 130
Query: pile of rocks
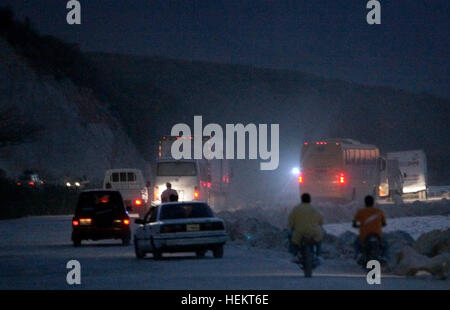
430 254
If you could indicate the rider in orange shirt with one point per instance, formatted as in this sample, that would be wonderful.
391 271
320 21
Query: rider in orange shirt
370 220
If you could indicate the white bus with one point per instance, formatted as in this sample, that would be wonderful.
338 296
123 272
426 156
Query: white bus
339 170
193 179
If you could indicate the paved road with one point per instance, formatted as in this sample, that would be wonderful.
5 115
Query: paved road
34 252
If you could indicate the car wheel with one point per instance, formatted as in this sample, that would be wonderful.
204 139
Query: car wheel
200 253
218 251
76 242
139 253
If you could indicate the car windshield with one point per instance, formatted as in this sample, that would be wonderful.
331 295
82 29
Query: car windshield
185 211
98 201
176 169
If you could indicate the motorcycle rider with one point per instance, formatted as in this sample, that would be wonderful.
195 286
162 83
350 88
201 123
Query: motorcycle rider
305 221
370 220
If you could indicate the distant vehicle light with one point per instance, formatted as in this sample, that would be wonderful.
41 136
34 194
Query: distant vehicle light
68 184
31 183
300 178
138 202
196 194
86 221
126 222
156 193
75 223
295 170
341 178
77 184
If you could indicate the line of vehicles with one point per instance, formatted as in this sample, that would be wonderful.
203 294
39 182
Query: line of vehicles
168 227
193 179
332 169
347 170
188 225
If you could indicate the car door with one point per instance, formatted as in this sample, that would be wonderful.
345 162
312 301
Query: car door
148 228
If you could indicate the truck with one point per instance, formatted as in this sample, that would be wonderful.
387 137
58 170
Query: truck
131 185
193 179
391 180
413 166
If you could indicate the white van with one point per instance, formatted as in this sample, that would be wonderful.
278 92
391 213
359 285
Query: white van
131 185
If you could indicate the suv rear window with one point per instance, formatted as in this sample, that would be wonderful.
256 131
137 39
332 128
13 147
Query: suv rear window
184 211
101 200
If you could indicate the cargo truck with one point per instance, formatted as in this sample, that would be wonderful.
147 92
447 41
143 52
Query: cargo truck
413 166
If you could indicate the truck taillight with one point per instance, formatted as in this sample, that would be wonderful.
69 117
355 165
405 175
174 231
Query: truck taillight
196 194
341 178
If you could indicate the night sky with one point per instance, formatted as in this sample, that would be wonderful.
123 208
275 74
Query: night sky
408 50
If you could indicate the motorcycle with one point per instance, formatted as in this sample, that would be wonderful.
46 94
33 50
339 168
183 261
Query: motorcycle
372 249
307 256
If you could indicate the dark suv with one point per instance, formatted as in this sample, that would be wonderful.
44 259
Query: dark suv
100 214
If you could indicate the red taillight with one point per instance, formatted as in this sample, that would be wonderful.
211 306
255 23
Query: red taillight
300 178
156 193
341 179
138 202
75 223
126 222
196 194
31 183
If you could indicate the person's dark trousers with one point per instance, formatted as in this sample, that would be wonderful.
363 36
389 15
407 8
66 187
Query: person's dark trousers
357 246
293 248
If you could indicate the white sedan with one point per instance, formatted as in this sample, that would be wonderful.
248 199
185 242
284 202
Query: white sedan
180 227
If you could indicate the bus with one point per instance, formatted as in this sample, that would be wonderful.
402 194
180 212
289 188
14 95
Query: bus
339 170
193 179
